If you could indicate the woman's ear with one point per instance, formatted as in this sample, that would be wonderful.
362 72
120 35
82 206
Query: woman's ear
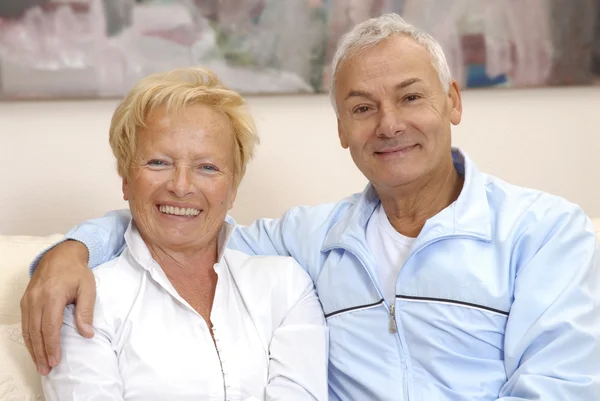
125 187
231 199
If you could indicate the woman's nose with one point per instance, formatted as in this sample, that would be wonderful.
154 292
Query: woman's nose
181 183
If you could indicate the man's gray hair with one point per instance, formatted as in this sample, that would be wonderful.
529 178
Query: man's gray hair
371 32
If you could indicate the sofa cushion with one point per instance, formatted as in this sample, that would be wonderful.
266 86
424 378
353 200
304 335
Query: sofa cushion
16 253
19 380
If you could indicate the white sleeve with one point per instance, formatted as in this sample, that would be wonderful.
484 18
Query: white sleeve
299 347
88 368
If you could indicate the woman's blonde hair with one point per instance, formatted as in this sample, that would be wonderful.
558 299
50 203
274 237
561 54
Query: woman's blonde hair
175 90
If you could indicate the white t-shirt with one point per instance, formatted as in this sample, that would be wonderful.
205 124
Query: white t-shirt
390 249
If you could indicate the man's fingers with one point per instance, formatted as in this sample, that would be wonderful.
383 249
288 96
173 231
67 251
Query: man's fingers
55 282
36 338
52 319
25 327
84 308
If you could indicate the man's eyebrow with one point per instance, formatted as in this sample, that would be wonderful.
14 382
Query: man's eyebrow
404 84
408 82
357 93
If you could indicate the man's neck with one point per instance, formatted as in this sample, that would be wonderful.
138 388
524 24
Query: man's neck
408 207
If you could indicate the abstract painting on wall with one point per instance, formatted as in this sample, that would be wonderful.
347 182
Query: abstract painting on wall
99 48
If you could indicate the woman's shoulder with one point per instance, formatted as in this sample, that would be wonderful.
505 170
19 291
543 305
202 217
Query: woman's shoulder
267 269
117 282
117 273
277 279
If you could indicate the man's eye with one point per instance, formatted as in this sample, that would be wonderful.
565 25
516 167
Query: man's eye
412 98
361 109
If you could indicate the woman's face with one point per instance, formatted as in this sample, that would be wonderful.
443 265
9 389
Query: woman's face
181 180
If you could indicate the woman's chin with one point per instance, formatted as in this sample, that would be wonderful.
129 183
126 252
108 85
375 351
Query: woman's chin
178 243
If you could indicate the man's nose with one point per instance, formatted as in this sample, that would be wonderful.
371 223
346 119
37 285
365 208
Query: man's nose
391 123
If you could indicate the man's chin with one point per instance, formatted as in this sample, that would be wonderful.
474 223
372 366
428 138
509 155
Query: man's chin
395 180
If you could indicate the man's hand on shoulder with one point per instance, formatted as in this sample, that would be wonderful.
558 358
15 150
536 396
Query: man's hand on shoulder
62 277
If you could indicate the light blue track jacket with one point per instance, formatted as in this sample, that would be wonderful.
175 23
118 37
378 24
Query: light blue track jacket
499 299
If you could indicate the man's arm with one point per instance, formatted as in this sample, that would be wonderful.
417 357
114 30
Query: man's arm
61 276
299 233
552 342
102 237
263 237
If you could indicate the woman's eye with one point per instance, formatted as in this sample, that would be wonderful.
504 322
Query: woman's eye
157 163
209 167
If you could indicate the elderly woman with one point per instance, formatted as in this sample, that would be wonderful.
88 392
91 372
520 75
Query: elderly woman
179 316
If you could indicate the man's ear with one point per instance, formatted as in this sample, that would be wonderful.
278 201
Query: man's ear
125 187
341 135
456 103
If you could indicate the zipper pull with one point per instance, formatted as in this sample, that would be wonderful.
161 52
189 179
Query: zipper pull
393 327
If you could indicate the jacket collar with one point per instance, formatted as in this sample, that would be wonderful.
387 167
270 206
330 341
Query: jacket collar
469 215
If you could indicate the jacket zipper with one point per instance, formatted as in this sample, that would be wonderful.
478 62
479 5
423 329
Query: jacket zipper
220 364
223 375
393 325
410 256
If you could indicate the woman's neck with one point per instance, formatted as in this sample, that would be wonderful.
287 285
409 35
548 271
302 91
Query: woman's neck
192 274
186 261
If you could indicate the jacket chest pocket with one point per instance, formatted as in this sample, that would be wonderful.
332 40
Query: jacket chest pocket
462 301
466 329
455 348
453 313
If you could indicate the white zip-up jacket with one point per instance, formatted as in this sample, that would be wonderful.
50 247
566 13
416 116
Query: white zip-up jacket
268 339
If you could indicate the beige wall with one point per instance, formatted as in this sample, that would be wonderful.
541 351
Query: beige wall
57 168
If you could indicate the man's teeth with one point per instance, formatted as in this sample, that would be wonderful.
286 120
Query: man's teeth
179 211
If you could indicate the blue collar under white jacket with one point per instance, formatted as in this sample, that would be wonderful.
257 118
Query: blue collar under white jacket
499 298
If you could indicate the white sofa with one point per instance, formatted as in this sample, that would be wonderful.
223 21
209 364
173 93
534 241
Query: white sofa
18 377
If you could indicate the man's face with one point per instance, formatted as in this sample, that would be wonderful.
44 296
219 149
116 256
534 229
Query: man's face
394 115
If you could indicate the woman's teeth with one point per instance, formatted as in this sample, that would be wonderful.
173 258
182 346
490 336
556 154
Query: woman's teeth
179 211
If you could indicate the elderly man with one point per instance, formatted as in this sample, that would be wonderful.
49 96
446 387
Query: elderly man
438 282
